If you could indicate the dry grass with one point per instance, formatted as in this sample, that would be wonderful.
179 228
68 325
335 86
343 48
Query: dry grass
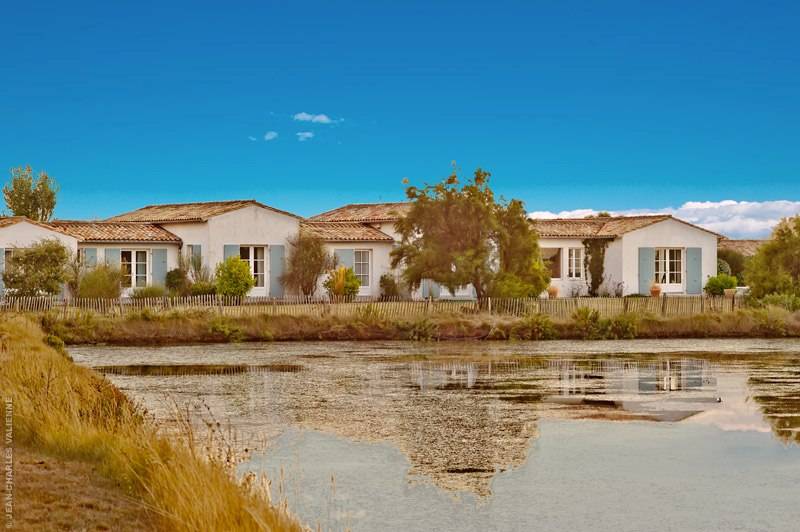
202 327
71 412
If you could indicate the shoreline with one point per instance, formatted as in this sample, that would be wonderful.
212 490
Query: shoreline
181 328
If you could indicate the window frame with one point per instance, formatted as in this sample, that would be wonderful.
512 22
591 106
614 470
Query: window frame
134 275
368 263
575 263
665 271
251 261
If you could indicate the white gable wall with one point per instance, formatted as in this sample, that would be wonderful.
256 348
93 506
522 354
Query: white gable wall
668 233
24 234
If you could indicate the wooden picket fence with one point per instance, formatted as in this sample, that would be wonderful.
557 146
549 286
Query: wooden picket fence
558 309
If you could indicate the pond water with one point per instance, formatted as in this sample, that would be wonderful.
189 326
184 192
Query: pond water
633 435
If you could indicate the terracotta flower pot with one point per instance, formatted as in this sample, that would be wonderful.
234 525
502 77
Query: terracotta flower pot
552 292
730 293
655 291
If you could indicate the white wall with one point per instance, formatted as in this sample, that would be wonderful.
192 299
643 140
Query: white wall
380 264
612 268
253 225
25 234
668 233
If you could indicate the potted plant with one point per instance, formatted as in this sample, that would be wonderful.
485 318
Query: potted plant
730 293
552 291
655 289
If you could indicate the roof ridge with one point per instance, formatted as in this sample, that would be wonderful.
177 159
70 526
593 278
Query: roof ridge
251 200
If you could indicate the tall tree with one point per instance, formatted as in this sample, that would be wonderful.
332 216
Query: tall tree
307 261
458 234
33 197
775 268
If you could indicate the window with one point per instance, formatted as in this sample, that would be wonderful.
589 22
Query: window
669 266
361 266
575 263
255 256
552 258
133 264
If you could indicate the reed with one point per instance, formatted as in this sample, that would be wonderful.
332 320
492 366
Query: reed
72 412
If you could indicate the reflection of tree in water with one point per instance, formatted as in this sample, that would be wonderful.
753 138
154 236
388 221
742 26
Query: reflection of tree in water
777 391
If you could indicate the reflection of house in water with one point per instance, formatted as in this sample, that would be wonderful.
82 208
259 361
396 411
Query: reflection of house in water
632 377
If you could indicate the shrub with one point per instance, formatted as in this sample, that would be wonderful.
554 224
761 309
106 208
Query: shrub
737 263
37 270
389 286
790 302
177 281
308 260
723 267
511 286
149 291
368 313
234 277
422 330
587 323
342 282
230 331
775 269
534 327
102 281
622 327
716 286
771 322
202 288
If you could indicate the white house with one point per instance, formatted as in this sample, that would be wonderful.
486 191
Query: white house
640 250
144 252
380 218
216 230
18 232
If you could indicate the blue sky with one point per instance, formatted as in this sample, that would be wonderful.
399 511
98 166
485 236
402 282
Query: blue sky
570 105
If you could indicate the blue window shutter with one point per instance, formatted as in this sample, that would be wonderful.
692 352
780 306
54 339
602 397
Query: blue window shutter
276 258
90 257
694 270
426 288
647 269
2 268
345 257
197 251
436 290
230 250
112 257
159 273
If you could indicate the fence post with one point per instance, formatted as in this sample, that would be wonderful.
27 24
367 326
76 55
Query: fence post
489 299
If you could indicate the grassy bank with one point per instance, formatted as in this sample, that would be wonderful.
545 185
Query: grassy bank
204 327
70 412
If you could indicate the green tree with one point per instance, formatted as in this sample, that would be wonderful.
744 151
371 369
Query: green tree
28 196
342 282
37 270
775 268
736 261
234 277
458 234
308 261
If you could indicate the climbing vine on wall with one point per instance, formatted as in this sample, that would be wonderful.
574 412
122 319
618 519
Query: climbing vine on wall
593 258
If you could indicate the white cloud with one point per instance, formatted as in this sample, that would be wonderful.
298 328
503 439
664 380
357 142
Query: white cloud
303 136
736 219
270 135
317 119
252 138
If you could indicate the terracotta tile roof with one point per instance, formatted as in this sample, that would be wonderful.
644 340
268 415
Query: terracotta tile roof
606 227
747 248
115 231
346 232
365 212
188 212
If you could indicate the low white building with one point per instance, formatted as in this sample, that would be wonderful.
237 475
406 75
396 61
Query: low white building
216 230
639 251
